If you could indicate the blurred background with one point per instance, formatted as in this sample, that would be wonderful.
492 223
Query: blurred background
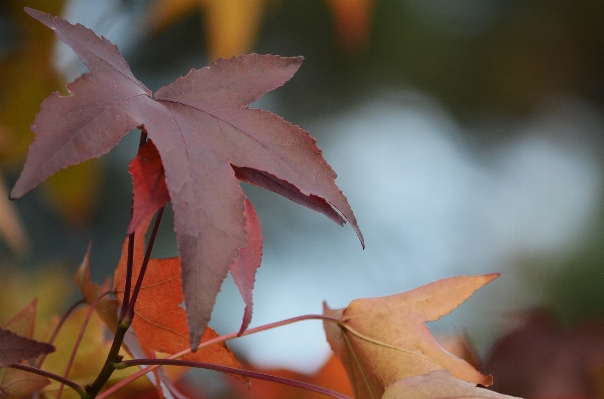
467 136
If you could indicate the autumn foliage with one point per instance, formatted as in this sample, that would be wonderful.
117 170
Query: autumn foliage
199 140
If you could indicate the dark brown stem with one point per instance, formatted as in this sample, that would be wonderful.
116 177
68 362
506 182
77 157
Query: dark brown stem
141 275
143 139
129 264
94 388
127 311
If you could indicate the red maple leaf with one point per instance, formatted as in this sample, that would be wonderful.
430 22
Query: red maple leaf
208 140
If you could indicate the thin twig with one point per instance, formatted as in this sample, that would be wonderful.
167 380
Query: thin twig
129 267
58 327
79 340
130 261
209 342
75 386
141 274
231 370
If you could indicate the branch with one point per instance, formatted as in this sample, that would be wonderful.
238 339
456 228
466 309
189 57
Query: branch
129 265
129 314
232 370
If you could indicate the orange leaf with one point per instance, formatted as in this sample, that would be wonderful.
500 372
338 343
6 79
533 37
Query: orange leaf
352 19
11 226
438 384
160 323
384 340
331 376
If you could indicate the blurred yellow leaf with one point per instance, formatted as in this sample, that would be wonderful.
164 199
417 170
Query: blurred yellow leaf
27 77
232 25
106 307
51 285
73 191
11 227
90 356
20 384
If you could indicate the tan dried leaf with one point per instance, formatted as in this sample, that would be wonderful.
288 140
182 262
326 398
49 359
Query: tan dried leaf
438 385
384 340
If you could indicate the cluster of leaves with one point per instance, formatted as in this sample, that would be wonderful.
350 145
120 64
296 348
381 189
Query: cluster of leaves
199 141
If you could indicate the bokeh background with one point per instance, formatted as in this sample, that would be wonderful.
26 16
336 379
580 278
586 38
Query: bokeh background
467 136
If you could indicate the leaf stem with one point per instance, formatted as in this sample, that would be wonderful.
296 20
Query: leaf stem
79 340
141 275
231 370
216 340
130 261
75 386
128 285
127 311
58 327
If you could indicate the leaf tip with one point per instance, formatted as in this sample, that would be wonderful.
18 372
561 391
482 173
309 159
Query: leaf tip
37 14
14 194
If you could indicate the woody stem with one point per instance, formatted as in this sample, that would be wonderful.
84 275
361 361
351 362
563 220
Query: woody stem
139 281
130 261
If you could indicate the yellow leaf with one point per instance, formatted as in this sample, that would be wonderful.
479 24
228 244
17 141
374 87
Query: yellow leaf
232 25
11 227
74 191
89 359
51 284
383 340
29 75
106 307
20 384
